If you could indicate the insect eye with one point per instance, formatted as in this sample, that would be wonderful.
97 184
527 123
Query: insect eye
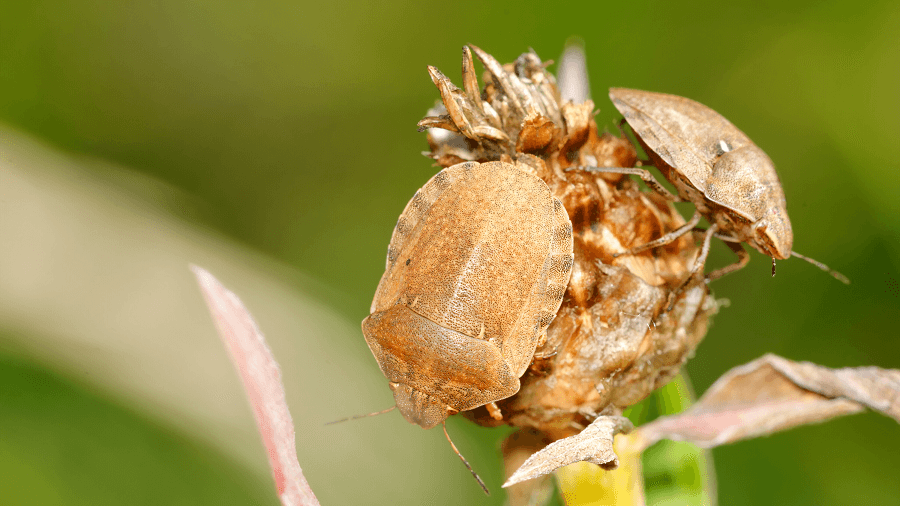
764 239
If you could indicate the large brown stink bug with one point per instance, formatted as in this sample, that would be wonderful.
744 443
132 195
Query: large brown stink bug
476 269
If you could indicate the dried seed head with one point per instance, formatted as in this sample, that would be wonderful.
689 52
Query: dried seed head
614 339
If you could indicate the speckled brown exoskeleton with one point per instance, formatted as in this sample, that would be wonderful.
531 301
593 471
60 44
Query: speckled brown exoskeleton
714 165
476 269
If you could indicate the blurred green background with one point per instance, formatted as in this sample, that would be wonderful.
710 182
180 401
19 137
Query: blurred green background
274 143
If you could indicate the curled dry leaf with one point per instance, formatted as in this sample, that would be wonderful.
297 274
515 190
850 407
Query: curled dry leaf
262 380
594 444
517 449
772 394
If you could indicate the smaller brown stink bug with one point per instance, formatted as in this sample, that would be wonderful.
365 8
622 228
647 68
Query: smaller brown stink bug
476 269
714 165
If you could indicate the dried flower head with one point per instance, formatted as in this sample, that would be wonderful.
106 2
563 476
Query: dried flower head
627 324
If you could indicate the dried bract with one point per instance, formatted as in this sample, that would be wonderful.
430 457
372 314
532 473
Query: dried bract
594 444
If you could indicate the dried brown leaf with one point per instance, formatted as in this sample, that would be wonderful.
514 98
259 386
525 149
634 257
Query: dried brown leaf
501 77
262 380
772 394
470 81
452 98
517 449
594 444
444 122
489 132
537 133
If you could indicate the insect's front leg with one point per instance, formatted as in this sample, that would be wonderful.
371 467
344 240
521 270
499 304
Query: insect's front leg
697 267
743 258
494 411
644 174
666 238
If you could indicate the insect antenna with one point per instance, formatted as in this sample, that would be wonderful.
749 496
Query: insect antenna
837 275
357 417
477 478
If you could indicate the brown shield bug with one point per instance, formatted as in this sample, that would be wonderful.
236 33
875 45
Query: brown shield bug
476 269
714 165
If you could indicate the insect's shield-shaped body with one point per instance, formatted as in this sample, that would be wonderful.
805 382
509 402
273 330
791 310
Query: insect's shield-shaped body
712 164
476 270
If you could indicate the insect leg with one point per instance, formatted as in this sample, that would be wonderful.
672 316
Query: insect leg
743 258
645 176
547 354
698 265
494 411
666 238
704 252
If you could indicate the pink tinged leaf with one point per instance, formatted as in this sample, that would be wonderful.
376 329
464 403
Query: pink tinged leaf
594 444
772 394
262 380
